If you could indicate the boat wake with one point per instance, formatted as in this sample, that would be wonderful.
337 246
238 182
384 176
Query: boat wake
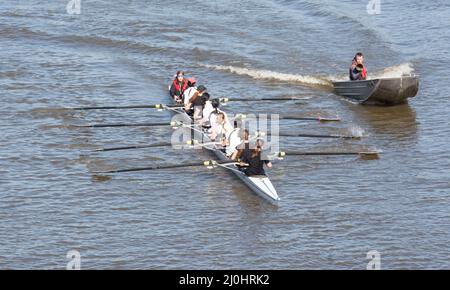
271 75
356 131
389 72
312 81
394 71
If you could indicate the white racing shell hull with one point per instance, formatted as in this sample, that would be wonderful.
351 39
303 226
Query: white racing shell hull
260 184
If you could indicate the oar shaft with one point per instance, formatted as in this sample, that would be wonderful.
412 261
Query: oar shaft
277 99
321 153
156 167
157 106
122 107
122 125
321 119
166 144
316 136
151 168
370 154
134 147
259 100
114 107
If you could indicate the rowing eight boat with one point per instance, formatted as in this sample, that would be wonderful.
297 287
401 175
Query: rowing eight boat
259 184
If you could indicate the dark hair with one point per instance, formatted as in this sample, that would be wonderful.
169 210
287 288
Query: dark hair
358 54
201 88
246 133
215 103
180 72
204 98
258 148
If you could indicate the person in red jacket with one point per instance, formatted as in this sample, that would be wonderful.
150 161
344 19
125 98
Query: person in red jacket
358 70
179 85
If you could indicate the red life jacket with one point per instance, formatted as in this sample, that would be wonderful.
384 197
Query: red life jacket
177 86
364 73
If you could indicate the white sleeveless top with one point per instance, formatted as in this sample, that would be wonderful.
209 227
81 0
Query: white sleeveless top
188 93
234 141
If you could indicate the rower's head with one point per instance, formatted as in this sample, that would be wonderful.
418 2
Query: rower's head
220 118
204 98
215 103
201 89
244 134
259 143
359 58
180 75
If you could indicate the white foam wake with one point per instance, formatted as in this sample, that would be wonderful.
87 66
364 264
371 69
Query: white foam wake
390 72
394 71
270 75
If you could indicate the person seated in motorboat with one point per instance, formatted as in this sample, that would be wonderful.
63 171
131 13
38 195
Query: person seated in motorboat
252 161
191 89
199 91
178 86
357 69
221 130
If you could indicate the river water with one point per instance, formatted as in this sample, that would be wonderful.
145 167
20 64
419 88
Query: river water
333 210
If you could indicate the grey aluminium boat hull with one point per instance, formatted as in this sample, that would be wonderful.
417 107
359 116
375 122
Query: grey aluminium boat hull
385 91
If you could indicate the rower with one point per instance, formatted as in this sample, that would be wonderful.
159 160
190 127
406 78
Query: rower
199 105
212 118
199 91
234 139
178 87
208 108
245 144
251 158
222 129
189 92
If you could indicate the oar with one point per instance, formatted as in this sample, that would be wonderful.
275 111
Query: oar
156 106
133 147
160 106
173 124
373 154
312 135
226 100
319 136
320 119
207 163
192 143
